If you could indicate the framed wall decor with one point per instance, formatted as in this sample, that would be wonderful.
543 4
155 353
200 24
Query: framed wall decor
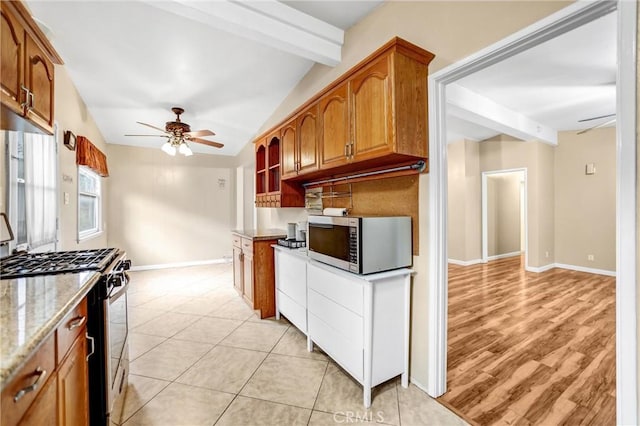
70 140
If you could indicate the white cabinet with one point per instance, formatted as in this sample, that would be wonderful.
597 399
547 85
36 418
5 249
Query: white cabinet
291 287
361 321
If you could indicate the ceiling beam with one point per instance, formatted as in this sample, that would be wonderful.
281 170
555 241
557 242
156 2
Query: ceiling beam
470 106
267 21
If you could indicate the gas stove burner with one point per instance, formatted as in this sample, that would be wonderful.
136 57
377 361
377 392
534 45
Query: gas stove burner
32 264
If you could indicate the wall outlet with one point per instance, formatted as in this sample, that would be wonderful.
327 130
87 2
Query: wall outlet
590 257
546 254
66 198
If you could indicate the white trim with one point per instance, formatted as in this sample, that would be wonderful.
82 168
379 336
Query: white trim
504 255
419 385
465 262
584 269
181 264
626 211
573 16
538 269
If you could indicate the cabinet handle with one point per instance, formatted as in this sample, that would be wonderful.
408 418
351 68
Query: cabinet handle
351 150
346 150
25 104
33 386
32 99
93 345
76 322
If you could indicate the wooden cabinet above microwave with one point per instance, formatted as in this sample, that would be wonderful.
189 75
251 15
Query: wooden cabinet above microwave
373 116
27 67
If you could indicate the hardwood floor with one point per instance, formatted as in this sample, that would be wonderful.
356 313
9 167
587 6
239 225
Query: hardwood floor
527 348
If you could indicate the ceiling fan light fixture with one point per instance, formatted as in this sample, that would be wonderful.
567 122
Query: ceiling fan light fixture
185 150
169 148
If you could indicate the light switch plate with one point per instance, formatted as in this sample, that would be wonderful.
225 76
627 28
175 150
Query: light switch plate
66 198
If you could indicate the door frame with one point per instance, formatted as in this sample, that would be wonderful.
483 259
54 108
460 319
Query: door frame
485 217
567 19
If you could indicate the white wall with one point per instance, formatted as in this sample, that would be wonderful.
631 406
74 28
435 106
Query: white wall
167 209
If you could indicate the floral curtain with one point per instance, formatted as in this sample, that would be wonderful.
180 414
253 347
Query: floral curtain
88 155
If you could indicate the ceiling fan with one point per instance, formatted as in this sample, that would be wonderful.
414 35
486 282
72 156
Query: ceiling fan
597 126
179 134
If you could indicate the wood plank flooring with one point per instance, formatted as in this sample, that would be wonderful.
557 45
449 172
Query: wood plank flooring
531 349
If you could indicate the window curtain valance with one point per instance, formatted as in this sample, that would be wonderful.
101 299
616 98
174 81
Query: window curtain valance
88 155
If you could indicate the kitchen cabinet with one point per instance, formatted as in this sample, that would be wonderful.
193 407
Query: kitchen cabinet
73 389
360 321
53 385
334 123
300 144
291 286
27 63
253 272
271 190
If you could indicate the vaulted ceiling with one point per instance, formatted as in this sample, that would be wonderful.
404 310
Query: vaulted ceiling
229 64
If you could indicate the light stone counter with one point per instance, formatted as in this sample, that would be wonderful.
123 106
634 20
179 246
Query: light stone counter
30 309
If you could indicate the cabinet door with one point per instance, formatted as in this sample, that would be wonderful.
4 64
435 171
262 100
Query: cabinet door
11 60
334 131
289 154
372 111
307 125
45 408
237 269
247 277
39 80
73 386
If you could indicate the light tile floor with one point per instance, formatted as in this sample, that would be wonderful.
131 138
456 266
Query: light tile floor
199 356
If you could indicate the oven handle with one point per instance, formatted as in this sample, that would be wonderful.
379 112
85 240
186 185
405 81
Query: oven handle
115 294
93 345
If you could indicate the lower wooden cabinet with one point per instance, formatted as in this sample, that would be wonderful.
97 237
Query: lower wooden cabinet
52 388
73 389
253 273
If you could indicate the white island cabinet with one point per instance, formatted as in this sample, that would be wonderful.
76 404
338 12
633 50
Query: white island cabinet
360 321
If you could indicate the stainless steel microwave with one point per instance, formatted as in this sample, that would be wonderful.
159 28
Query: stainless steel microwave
361 244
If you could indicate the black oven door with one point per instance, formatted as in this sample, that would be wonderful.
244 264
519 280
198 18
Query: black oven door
116 327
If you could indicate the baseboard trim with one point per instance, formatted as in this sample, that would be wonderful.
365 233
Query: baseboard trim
584 269
505 255
538 269
465 262
181 264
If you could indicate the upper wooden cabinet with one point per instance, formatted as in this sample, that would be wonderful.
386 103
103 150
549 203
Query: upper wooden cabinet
373 116
300 144
27 66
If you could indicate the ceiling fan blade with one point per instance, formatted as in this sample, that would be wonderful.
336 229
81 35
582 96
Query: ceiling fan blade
198 133
151 136
153 127
595 118
606 123
206 142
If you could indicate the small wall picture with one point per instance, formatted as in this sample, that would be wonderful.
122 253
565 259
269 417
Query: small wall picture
70 140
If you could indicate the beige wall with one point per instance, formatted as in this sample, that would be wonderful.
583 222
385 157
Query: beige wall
170 209
586 204
503 153
444 29
464 203
72 114
503 213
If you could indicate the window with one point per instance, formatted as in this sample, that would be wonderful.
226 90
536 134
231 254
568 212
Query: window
89 203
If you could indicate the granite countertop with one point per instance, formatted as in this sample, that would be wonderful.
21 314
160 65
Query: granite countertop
30 309
261 234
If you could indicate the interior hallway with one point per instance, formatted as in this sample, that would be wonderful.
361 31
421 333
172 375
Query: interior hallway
200 357
528 348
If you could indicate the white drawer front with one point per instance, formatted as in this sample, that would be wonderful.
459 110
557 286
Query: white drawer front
343 351
295 313
348 324
292 273
345 292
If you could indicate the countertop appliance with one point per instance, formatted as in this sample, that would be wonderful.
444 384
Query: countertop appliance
107 325
361 244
